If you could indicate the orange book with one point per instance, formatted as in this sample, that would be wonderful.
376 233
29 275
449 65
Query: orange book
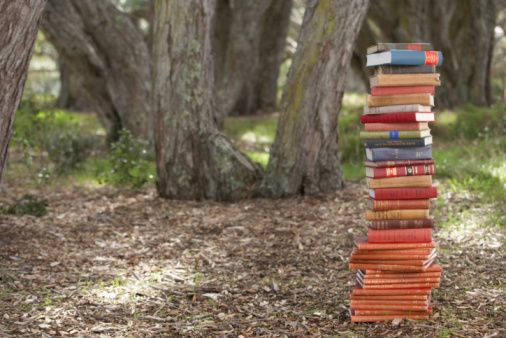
397 214
432 268
416 251
390 267
381 205
365 319
391 297
399 182
402 286
388 307
355 302
362 244
389 255
396 126
383 292
403 275
389 312
401 281
399 235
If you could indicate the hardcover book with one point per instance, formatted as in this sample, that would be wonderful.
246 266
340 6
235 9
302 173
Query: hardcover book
390 100
388 69
402 224
382 46
402 108
398 57
394 134
362 244
387 154
403 193
396 126
378 205
400 235
397 214
395 171
396 90
388 80
397 117
382 164
400 182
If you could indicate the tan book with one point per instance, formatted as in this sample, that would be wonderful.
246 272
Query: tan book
388 80
379 101
400 182
397 214
405 108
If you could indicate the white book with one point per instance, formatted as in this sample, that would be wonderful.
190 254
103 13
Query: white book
403 108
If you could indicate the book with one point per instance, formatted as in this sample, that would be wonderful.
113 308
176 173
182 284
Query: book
382 318
402 224
397 117
397 163
386 154
382 46
400 235
367 305
394 134
379 205
397 292
399 108
391 100
401 90
404 170
362 244
403 193
397 57
397 80
383 266
396 126
391 255
433 268
378 281
408 252
389 69
397 214
390 297
432 285
400 143
400 182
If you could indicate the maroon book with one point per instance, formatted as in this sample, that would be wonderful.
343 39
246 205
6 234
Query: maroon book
403 193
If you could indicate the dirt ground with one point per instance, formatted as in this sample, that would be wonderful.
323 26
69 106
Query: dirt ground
106 263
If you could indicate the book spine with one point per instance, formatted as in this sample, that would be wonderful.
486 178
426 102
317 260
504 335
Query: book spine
374 319
388 69
393 246
416 58
411 275
398 292
395 126
385 154
432 268
389 267
402 280
356 302
421 99
402 286
401 90
400 182
378 205
381 164
408 170
393 118
397 214
402 224
388 312
400 235
391 134
389 80
405 193
391 297
405 142
385 46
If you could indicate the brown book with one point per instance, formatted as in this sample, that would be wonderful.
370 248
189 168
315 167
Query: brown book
402 224
387 80
390 100
385 46
399 182
397 214
382 205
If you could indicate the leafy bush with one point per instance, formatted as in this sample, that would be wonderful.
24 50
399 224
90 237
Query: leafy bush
128 163
27 205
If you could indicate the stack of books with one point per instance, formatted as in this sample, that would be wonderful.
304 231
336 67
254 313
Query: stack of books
396 261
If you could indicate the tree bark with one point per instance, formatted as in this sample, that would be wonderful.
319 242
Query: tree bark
456 27
19 21
305 155
249 40
194 160
103 46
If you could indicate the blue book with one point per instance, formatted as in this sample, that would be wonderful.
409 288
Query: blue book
405 142
397 57
392 154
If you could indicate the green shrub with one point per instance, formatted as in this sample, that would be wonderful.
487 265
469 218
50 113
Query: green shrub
27 205
128 163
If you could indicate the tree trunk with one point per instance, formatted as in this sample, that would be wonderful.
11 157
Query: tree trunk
194 160
19 21
249 40
103 46
305 155
456 27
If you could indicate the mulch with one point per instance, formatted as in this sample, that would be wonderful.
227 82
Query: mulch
110 263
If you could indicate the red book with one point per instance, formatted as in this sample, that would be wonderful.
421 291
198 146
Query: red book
400 90
383 318
403 193
378 205
408 170
397 292
399 235
397 118
396 163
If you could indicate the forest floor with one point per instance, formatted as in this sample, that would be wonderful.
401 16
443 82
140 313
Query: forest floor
110 263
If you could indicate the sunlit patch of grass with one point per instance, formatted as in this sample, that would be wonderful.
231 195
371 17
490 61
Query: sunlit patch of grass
353 171
261 157
253 129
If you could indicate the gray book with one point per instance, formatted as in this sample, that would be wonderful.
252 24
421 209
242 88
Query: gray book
406 142
409 153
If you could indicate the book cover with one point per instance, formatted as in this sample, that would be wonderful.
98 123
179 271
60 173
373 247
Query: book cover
402 90
396 126
432 268
390 100
400 108
394 134
403 193
378 292
380 281
397 214
374 319
389 69
399 171
385 46
362 244
400 235
390 297
397 117
388 154
402 224
402 286
397 163
391 255
396 57
382 205
398 80
399 182
400 143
